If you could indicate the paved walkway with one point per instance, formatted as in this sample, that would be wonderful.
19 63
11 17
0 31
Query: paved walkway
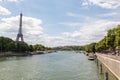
112 62
112 56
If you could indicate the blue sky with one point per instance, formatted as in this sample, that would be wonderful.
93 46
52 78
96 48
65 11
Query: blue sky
59 22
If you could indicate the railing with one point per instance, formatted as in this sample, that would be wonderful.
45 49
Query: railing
111 62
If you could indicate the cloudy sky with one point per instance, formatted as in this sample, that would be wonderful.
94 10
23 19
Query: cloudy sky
59 22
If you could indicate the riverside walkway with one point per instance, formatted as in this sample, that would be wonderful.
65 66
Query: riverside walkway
112 62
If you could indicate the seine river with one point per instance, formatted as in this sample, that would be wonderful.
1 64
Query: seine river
64 65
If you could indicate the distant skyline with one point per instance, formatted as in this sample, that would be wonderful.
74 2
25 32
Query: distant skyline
59 22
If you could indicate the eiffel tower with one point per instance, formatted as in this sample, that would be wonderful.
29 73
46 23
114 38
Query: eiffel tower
20 35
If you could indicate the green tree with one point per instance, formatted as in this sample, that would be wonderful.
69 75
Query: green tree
22 47
39 47
31 48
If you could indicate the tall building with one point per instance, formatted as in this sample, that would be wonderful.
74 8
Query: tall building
20 35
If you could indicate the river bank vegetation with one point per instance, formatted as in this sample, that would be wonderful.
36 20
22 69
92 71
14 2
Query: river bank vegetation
110 43
68 48
7 44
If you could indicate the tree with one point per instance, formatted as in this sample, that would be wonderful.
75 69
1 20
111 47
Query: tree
22 47
117 36
39 47
6 44
31 48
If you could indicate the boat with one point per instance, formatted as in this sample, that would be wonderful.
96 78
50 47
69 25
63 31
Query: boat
91 56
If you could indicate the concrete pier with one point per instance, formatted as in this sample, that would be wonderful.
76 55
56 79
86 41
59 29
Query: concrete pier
111 62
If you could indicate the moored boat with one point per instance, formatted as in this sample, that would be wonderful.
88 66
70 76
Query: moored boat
91 56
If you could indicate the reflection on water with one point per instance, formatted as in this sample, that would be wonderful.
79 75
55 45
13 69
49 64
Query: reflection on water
54 66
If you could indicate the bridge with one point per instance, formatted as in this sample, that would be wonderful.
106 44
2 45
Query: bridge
111 62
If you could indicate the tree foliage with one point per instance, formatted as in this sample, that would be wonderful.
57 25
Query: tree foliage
111 40
7 44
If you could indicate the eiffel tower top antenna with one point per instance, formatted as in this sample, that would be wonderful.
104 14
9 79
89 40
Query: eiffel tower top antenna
20 35
20 25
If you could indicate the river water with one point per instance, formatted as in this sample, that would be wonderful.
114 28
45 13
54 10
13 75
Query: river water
64 65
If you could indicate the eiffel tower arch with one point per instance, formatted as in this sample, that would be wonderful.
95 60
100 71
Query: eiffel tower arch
19 38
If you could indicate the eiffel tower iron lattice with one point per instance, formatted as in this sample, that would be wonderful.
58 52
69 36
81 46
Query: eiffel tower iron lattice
20 35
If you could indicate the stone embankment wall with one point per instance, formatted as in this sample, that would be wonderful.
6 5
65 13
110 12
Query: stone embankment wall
112 63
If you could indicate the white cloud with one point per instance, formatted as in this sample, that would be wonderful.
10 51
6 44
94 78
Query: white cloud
32 28
85 3
33 31
59 41
92 31
80 16
89 32
72 24
72 14
10 0
4 11
108 4
108 14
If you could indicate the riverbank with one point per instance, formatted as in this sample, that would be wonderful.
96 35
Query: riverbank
6 54
111 62
102 69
